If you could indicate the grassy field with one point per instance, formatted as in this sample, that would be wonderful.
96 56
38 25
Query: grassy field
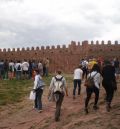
12 91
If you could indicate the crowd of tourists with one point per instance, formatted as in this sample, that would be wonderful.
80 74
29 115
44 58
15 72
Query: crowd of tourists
10 69
97 71
91 71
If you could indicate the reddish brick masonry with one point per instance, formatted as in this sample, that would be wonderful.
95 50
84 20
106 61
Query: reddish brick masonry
65 58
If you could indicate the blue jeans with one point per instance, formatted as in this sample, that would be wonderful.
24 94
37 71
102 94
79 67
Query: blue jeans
38 101
77 82
30 73
18 75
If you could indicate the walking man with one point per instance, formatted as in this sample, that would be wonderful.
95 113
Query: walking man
58 88
78 73
109 83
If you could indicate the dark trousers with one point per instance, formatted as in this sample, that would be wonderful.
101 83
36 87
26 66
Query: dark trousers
30 74
85 72
77 82
38 101
5 74
44 70
18 75
109 90
89 92
58 104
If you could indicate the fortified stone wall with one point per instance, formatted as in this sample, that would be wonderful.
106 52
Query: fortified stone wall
65 58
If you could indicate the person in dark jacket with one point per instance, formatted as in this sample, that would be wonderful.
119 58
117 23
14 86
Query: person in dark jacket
1 69
109 83
6 69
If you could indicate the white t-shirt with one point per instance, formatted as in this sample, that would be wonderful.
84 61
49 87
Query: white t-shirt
84 63
25 66
78 73
11 64
40 66
17 65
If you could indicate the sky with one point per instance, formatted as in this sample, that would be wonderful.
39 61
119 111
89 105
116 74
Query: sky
27 23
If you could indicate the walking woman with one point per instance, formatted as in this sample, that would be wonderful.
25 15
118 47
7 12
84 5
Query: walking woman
95 74
38 89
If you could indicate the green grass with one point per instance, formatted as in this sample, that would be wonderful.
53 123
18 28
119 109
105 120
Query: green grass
47 79
12 91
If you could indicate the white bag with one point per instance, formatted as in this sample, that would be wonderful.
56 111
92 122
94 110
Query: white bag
32 95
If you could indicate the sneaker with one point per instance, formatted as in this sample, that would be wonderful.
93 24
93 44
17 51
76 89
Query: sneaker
40 111
34 108
57 119
95 107
107 108
86 110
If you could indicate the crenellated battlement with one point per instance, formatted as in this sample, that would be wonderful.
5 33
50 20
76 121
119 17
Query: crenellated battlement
62 55
72 44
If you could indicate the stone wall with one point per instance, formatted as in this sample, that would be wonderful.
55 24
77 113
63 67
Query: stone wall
65 58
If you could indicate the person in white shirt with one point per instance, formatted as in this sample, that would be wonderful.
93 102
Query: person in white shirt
18 67
84 68
40 67
25 67
77 80
95 73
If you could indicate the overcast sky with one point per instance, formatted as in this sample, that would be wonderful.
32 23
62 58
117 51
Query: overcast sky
26 23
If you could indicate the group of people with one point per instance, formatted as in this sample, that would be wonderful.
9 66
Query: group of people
93 70
58 88
10 69
87 65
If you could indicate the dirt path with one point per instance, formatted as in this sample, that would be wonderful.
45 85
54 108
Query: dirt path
23 116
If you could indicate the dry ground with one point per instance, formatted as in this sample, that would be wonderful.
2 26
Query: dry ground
23 116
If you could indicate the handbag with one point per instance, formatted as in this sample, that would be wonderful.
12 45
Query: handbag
89 82
32 95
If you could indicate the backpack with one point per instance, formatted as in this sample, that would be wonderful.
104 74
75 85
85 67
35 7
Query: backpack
89 82
58 85
10 68
19 67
